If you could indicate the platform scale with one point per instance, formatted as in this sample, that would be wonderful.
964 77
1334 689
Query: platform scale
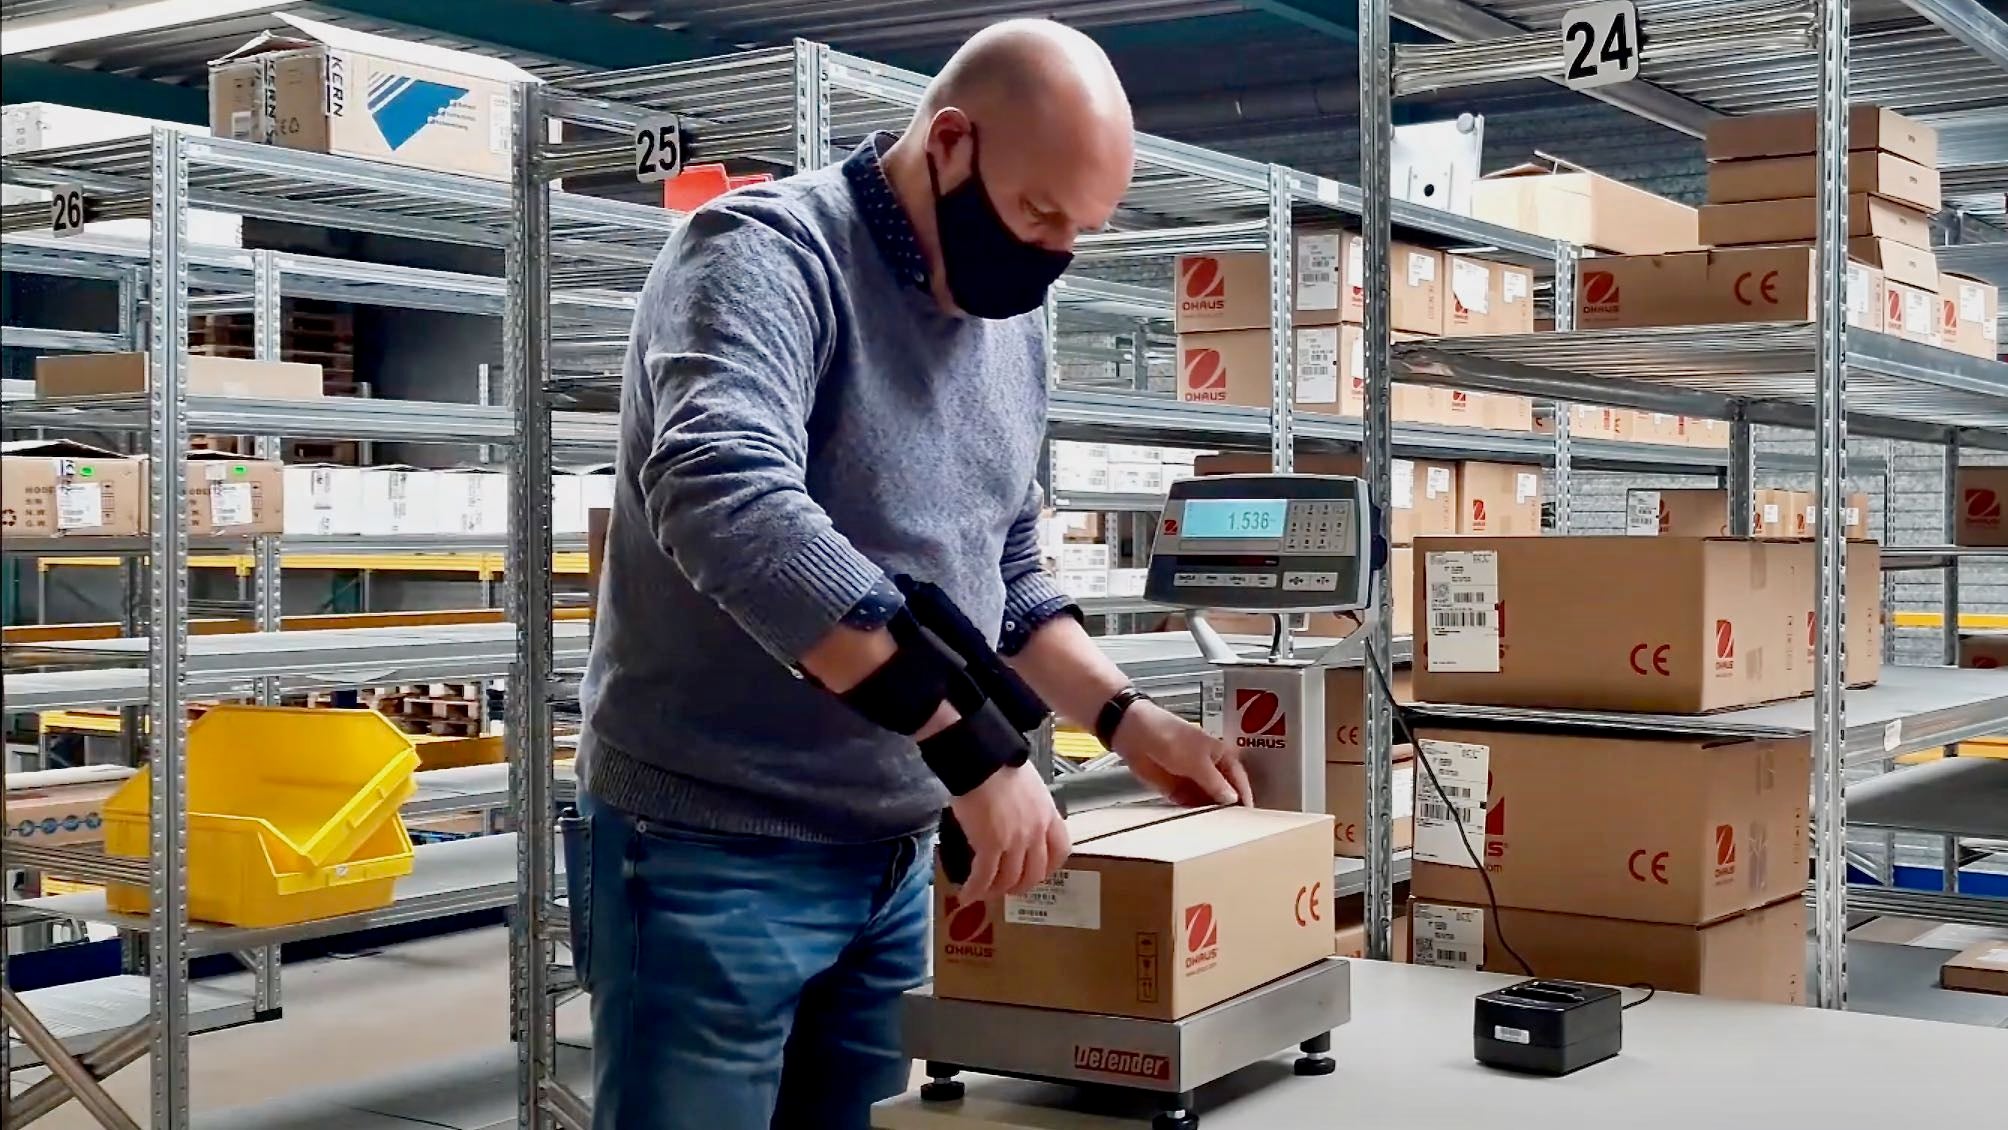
1275 544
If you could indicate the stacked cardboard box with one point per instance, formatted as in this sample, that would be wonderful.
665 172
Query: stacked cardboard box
1704 513
1222 316
1582 207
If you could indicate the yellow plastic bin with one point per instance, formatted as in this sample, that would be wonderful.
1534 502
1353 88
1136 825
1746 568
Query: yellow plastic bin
292 815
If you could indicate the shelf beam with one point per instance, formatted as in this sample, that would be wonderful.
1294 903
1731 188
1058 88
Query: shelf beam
1970 23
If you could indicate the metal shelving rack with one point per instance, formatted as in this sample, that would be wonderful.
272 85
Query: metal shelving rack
1795 375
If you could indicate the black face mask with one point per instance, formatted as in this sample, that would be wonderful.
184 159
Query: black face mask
991 272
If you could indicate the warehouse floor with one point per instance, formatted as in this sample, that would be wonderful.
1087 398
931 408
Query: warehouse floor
415 1036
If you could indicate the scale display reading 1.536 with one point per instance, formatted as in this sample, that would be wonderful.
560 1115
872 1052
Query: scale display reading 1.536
1234 518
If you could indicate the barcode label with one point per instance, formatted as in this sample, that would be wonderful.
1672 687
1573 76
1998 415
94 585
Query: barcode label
1449 937
1463 611
1450 802
231 504
1318 272
1642 513
1070 898
79 506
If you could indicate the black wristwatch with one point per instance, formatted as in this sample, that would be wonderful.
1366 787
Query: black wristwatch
1111 714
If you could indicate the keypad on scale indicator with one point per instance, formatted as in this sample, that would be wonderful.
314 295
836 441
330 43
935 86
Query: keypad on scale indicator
1313 526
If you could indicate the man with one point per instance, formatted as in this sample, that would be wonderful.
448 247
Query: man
835 381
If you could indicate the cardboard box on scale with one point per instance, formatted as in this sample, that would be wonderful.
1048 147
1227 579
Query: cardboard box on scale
1647 827
1159 913
60 487
1759 955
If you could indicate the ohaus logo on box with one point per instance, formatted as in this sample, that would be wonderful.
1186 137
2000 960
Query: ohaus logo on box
1983 507
1725 646
1202 288
1205 375
1601 294
971 934
1260 722
1725 851
1202 937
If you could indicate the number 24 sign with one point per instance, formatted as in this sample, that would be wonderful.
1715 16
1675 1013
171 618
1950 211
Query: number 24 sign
1600 44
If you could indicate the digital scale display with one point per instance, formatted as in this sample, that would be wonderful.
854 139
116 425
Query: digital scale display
1234 518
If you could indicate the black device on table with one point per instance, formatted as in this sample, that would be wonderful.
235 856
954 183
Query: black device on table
1548 1027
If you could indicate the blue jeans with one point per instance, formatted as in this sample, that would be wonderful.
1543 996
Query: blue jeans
742 982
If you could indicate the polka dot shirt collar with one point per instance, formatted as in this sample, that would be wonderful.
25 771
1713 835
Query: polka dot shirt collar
884 216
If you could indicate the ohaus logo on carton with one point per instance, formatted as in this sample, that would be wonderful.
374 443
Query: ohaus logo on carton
1202 289
1205 375
1725 646
971 934
1601 294
1202 937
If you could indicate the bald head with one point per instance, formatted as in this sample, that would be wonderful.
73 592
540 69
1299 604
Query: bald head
1037 108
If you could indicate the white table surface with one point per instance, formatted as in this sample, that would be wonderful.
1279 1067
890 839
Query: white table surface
1688 1063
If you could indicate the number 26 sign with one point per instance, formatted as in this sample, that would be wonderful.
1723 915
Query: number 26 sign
1600 44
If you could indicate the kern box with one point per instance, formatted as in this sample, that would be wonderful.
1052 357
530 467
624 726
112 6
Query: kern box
1346 801
1650 827
127 374
1739 284
51 488
328 89
1159 912
1499 499
1759 955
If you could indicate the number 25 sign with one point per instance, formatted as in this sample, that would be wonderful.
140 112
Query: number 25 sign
1600 44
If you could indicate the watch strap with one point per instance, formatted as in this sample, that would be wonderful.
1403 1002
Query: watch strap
1110 717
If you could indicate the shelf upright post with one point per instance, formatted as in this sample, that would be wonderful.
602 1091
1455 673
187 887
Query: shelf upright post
526 360
1377 456
1949 629
266 290
1741 477
1567 256
812 105
1830 419
167 652
1282 337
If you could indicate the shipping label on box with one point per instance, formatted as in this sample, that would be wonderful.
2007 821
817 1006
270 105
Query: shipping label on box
1910 313
59 487
228 494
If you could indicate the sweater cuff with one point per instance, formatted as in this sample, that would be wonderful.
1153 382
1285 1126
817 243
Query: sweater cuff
807 595
1030 602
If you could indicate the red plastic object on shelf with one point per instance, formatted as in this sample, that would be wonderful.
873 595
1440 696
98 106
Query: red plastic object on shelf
700 183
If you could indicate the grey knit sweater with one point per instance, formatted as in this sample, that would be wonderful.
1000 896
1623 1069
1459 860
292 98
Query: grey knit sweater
799 419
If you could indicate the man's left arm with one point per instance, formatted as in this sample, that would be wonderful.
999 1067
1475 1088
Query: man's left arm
1045 642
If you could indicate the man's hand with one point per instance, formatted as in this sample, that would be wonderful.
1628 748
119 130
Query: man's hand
1015 832
1180 760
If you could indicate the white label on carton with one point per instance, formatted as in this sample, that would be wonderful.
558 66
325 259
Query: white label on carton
1213 703
1858 294
1356 262
1437 482
1421 268
1069 898
1318 365
1449 937
498 124
80 506
240 124
1463 611
1318 272
1360 368
1917 312
1892 735
1972 303
1403 801
1526 487
1471 283
1642 513
1506 1035
1446 816
230 504
1771 514
1513 286
1851 515
1403 473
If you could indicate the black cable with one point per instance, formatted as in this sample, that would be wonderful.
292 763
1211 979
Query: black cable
1377 664
1650 992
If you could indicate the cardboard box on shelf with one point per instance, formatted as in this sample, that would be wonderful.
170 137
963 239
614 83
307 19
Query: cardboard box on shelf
1091 555
1425 492
1584 208
1158 914
576 490
1230 290
1983 649
1855 516
1779 513
1417 303
1981 969
1677 625
1486 298
1136 478
1684 829
228 494
1737 284
1500 499
329 89
323 499
1969 316
472 501
1911 312
1897 262
1707 433
1080 526
1982 492
1084 584
1080 467
1792 133
1865 624
1346 800
1759 955
1700 513
58 806
1346 711
1461 409
1127 583
405 500
1779 178
1867 293
1590 421
1798 219
126 374
1351 938
1233 367
60 487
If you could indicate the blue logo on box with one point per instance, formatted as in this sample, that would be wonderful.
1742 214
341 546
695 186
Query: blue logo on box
401 105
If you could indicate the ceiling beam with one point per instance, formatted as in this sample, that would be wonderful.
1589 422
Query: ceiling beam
1460 22
32 80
